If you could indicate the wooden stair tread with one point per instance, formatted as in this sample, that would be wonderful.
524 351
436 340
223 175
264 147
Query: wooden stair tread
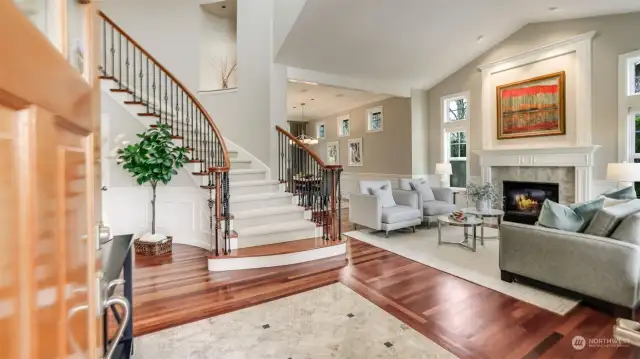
134 103
121 90
300 245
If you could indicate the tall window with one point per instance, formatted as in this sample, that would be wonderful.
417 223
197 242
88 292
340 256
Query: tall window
455 128
636 76
636 137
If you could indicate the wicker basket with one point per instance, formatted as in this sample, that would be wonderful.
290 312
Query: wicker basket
153 248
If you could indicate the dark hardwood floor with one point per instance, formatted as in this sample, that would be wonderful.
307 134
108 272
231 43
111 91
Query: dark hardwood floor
468 320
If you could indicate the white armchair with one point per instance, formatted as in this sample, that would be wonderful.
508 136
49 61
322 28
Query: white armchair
366 210
440 201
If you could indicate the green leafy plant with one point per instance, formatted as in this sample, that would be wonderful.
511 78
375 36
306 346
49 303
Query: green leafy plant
487 192
154 159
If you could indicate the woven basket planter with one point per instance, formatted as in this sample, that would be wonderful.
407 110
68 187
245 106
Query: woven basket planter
153 248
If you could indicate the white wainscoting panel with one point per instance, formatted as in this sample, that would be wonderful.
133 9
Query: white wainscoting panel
181 212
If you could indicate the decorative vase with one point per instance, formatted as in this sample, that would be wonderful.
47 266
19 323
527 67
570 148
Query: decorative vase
482 205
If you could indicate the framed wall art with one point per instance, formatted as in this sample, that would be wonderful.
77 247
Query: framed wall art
355 152
333 153
532 107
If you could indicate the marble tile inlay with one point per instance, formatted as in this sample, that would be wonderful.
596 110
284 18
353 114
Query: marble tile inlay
328 322
564 176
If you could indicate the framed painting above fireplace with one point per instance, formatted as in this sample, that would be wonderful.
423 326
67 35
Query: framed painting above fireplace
532 107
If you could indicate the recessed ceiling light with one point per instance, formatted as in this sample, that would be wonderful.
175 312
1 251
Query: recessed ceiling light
313 99
340 95
480 38
303 90
553 8
294 107
224 6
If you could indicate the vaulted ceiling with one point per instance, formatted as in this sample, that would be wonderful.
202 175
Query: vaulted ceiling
419 42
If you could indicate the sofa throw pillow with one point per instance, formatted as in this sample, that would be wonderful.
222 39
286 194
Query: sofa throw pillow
609 202
554 215
384 194
621 193
422 186
628 230
587 210
607 219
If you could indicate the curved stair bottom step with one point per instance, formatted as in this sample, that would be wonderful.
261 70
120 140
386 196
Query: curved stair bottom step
279 254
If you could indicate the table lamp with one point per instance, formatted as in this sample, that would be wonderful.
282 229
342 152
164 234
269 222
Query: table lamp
624 173
444 170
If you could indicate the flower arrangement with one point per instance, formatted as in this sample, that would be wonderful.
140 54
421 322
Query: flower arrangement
483 195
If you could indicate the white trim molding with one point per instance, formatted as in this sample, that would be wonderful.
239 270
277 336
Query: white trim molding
579 157
231 263
581 46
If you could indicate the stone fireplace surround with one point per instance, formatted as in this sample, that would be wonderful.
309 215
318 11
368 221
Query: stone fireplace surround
571 167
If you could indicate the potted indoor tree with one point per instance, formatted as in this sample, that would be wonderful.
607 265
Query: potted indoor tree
155 159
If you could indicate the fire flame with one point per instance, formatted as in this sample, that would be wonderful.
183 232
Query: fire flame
524 203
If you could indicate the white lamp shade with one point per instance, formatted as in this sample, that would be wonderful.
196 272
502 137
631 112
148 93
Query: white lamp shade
623 172
443 168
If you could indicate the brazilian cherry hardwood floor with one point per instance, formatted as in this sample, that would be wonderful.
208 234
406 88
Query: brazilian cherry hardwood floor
468 320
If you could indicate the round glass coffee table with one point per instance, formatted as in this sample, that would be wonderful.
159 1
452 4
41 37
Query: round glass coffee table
472 222
488 213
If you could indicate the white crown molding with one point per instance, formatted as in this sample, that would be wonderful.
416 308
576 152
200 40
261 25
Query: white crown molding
540 53
581 45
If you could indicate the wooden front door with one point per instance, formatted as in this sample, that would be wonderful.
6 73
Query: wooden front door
49 302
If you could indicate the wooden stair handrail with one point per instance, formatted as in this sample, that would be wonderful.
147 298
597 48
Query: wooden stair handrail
307 149
227 162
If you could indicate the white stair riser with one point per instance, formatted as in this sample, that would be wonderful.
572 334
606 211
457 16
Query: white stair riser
243 223
239 191
244 165
261 203
243 177
227 264
278 237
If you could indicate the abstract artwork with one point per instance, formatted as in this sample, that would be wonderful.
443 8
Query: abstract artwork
374 119
321 130
533 107
333 153
344 125
355 152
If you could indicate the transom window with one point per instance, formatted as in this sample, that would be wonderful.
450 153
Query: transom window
456 109
455 128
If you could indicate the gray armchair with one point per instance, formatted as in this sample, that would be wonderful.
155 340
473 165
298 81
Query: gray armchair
365 209
441 204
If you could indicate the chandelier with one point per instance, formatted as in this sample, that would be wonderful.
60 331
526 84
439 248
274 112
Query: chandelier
306 139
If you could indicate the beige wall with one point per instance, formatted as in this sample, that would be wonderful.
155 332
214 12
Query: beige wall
387 152
616 34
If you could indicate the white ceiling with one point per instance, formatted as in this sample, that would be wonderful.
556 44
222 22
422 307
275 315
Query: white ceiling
417 41
322 101
221 8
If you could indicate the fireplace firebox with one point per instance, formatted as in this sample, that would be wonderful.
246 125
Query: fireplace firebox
523 200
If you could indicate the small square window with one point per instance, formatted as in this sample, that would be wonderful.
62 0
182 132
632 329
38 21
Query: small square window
456 109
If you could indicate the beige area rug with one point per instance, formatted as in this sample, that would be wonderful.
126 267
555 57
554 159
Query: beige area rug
328 322
480 267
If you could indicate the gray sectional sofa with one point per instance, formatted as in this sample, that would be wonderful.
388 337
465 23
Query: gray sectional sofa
601 269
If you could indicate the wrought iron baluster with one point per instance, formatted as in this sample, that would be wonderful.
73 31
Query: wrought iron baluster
148 89
104 48
135 73
120 59
127 63
113 55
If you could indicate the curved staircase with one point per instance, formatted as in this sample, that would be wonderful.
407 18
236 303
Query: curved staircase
254 222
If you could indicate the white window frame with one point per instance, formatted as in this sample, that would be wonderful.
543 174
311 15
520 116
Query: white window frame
447 127
628 106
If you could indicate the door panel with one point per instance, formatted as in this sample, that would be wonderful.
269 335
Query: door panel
49 307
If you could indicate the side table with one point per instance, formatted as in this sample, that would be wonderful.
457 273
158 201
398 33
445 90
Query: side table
472 222
489 213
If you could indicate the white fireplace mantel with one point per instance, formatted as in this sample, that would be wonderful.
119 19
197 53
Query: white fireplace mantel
579 157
